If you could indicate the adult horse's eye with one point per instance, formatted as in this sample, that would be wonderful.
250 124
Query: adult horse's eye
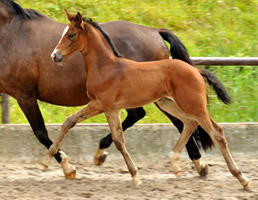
71 36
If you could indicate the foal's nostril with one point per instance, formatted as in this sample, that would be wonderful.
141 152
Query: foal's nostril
57 56
53 56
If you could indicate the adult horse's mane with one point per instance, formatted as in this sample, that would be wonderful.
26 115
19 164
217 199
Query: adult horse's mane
24 13
106 36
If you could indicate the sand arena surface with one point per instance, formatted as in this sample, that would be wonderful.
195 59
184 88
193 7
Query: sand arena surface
21 178
112 181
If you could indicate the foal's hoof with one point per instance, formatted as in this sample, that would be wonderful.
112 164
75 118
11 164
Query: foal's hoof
246 184
204 171
178 174
45 162
43 167
99 160
70 173
136 181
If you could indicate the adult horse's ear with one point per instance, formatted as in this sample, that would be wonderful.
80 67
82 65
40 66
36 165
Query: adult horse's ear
69 15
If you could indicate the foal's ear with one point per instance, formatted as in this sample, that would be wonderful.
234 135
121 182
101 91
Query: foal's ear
69 15
78 19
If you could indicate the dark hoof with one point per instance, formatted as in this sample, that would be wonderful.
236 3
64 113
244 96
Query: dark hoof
204 171
102 159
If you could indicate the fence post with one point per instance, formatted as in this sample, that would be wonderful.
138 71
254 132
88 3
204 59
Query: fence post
5 109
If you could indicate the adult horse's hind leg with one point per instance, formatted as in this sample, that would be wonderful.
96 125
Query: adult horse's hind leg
190 125
191 146
217 134
114 121
133 115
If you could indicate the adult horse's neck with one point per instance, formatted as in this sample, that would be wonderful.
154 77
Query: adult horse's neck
10 9
96 50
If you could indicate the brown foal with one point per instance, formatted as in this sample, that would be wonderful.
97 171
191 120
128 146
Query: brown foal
115 83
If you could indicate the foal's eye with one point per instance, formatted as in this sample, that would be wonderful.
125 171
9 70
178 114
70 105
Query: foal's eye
71 36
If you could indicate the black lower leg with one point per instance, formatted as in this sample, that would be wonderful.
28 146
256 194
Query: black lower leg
44 139
192 149
31 110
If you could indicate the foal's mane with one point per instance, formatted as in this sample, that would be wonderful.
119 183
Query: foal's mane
106 36
24 13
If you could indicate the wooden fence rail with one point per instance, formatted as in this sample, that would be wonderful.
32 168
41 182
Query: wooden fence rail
196 60
225 60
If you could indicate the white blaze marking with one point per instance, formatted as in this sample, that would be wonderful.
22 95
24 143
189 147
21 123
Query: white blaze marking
55 50
65 31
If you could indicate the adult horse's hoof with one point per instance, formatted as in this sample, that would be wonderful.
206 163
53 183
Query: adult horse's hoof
100 157
201 167
204 171
100 160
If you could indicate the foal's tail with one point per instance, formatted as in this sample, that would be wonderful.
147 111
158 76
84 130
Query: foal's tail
178 51
217 85
201 137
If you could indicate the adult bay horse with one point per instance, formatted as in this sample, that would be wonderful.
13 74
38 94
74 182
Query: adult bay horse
177 87
27 37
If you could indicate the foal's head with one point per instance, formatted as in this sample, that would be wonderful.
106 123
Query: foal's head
71 40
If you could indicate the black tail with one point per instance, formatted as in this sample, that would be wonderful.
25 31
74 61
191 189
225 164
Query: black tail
178 51
217 85
177 48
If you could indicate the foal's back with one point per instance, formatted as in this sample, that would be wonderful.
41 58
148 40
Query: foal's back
172 70
146 82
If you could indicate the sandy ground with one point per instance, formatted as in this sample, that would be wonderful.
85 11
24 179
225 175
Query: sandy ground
112 181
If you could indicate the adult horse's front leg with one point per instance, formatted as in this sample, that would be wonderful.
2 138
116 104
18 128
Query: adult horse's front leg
114 121
90 110
32 112
133 115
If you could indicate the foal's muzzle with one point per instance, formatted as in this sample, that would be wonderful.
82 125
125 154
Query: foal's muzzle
57 56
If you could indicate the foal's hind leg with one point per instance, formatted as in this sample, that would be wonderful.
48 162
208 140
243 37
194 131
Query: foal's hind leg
218 136
190 125
114 121
191 146
133 115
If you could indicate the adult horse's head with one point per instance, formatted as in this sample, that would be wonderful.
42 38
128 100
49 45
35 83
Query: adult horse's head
71 38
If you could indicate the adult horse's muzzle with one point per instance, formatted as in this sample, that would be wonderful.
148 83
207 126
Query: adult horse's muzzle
57 56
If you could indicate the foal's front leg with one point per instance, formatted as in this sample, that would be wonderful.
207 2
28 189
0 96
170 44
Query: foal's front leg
133 115
114 121
90 110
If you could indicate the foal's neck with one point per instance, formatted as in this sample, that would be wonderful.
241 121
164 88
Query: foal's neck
98 52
